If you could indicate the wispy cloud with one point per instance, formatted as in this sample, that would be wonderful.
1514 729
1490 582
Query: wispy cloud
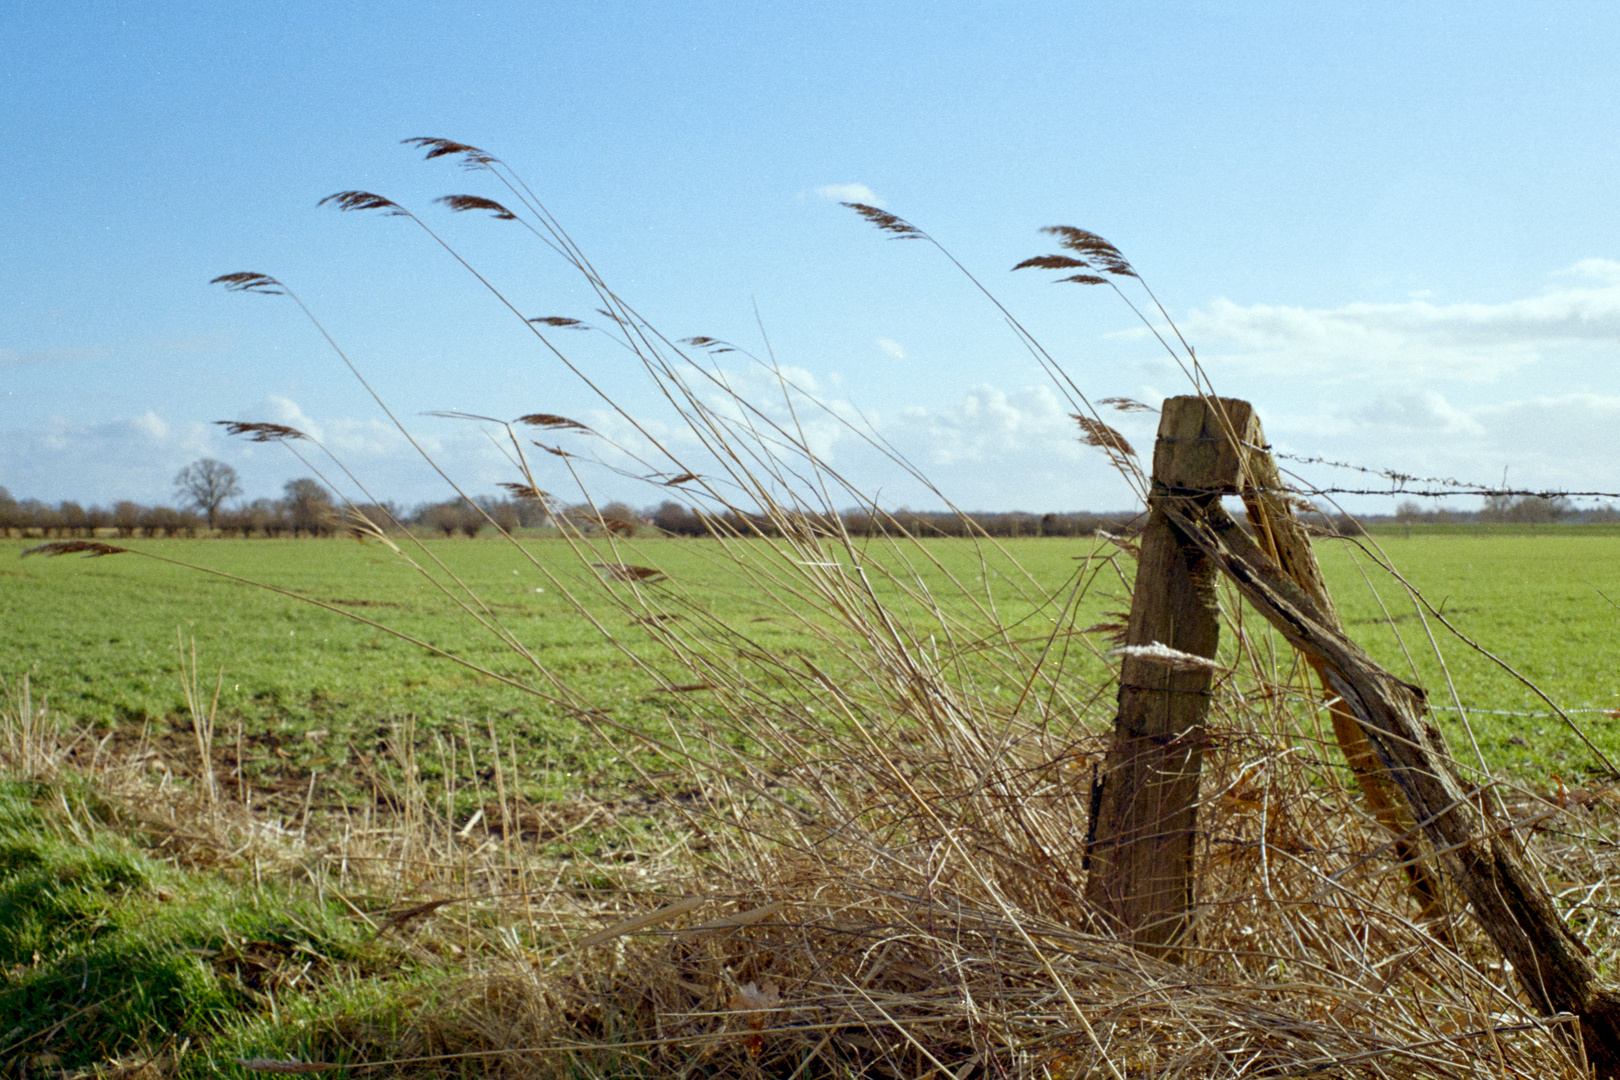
347 437
1543 442
1415 339
988 422
849 193
132 457
892 347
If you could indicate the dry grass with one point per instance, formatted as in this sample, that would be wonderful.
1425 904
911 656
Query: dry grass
894 895
870 859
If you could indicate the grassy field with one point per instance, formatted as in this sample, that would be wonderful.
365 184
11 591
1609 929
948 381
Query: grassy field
99 636
1536 597
290 919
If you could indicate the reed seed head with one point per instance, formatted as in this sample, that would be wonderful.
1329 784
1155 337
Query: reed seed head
525 491
261 432
471 156
553 422
1100 252
1053 262
249 281
463 203
1125 404
713 346
1098 434
623 572
889 223
365 200
92 549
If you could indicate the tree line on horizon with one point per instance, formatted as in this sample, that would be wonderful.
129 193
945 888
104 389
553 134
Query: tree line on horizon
307 508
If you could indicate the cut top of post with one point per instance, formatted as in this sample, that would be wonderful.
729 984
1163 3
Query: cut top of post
1204 444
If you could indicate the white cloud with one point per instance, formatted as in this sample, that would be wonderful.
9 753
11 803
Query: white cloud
1605 270
1414 339
1424 411
101 461
282 410
892 347
1019 449
989 422
346 436
1544 442
858 193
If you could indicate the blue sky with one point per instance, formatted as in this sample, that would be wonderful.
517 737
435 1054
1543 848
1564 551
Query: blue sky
1393 227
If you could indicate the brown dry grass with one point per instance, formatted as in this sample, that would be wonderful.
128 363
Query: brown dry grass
870 860
897 894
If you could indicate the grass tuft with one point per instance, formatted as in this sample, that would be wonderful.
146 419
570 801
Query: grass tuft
856 848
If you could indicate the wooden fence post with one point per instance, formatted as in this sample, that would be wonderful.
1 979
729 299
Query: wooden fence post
1553 966
1279 534
1144 811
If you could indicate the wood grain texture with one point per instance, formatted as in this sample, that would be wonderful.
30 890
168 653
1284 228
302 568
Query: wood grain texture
1145 812
1551 964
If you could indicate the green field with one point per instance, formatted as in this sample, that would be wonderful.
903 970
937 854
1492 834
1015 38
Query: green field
99 636
136 907
1536 597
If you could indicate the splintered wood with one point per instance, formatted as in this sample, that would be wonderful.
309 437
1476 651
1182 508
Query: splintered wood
1144 814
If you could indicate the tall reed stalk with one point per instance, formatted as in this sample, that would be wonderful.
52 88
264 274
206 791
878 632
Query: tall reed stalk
872 855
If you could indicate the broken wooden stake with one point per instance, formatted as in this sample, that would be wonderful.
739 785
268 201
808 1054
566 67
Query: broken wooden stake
1145 809
1550 963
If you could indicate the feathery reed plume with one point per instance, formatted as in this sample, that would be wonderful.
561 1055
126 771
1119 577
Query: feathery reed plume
92 549
562 322
261 431
623 572
684 478
524 491
554 422
358 525
889 223
364 200
1062 262
713 346
1115 631
1101 254
1125 404
250 281
1099 434
463 203
471 156
1053 262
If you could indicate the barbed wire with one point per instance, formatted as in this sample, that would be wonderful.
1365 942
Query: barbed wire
1436 487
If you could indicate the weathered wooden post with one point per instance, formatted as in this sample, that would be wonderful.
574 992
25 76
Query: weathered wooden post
1144 813
1552 965
1279 534
1145 806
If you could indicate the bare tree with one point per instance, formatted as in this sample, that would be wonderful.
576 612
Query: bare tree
206 484
309 505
